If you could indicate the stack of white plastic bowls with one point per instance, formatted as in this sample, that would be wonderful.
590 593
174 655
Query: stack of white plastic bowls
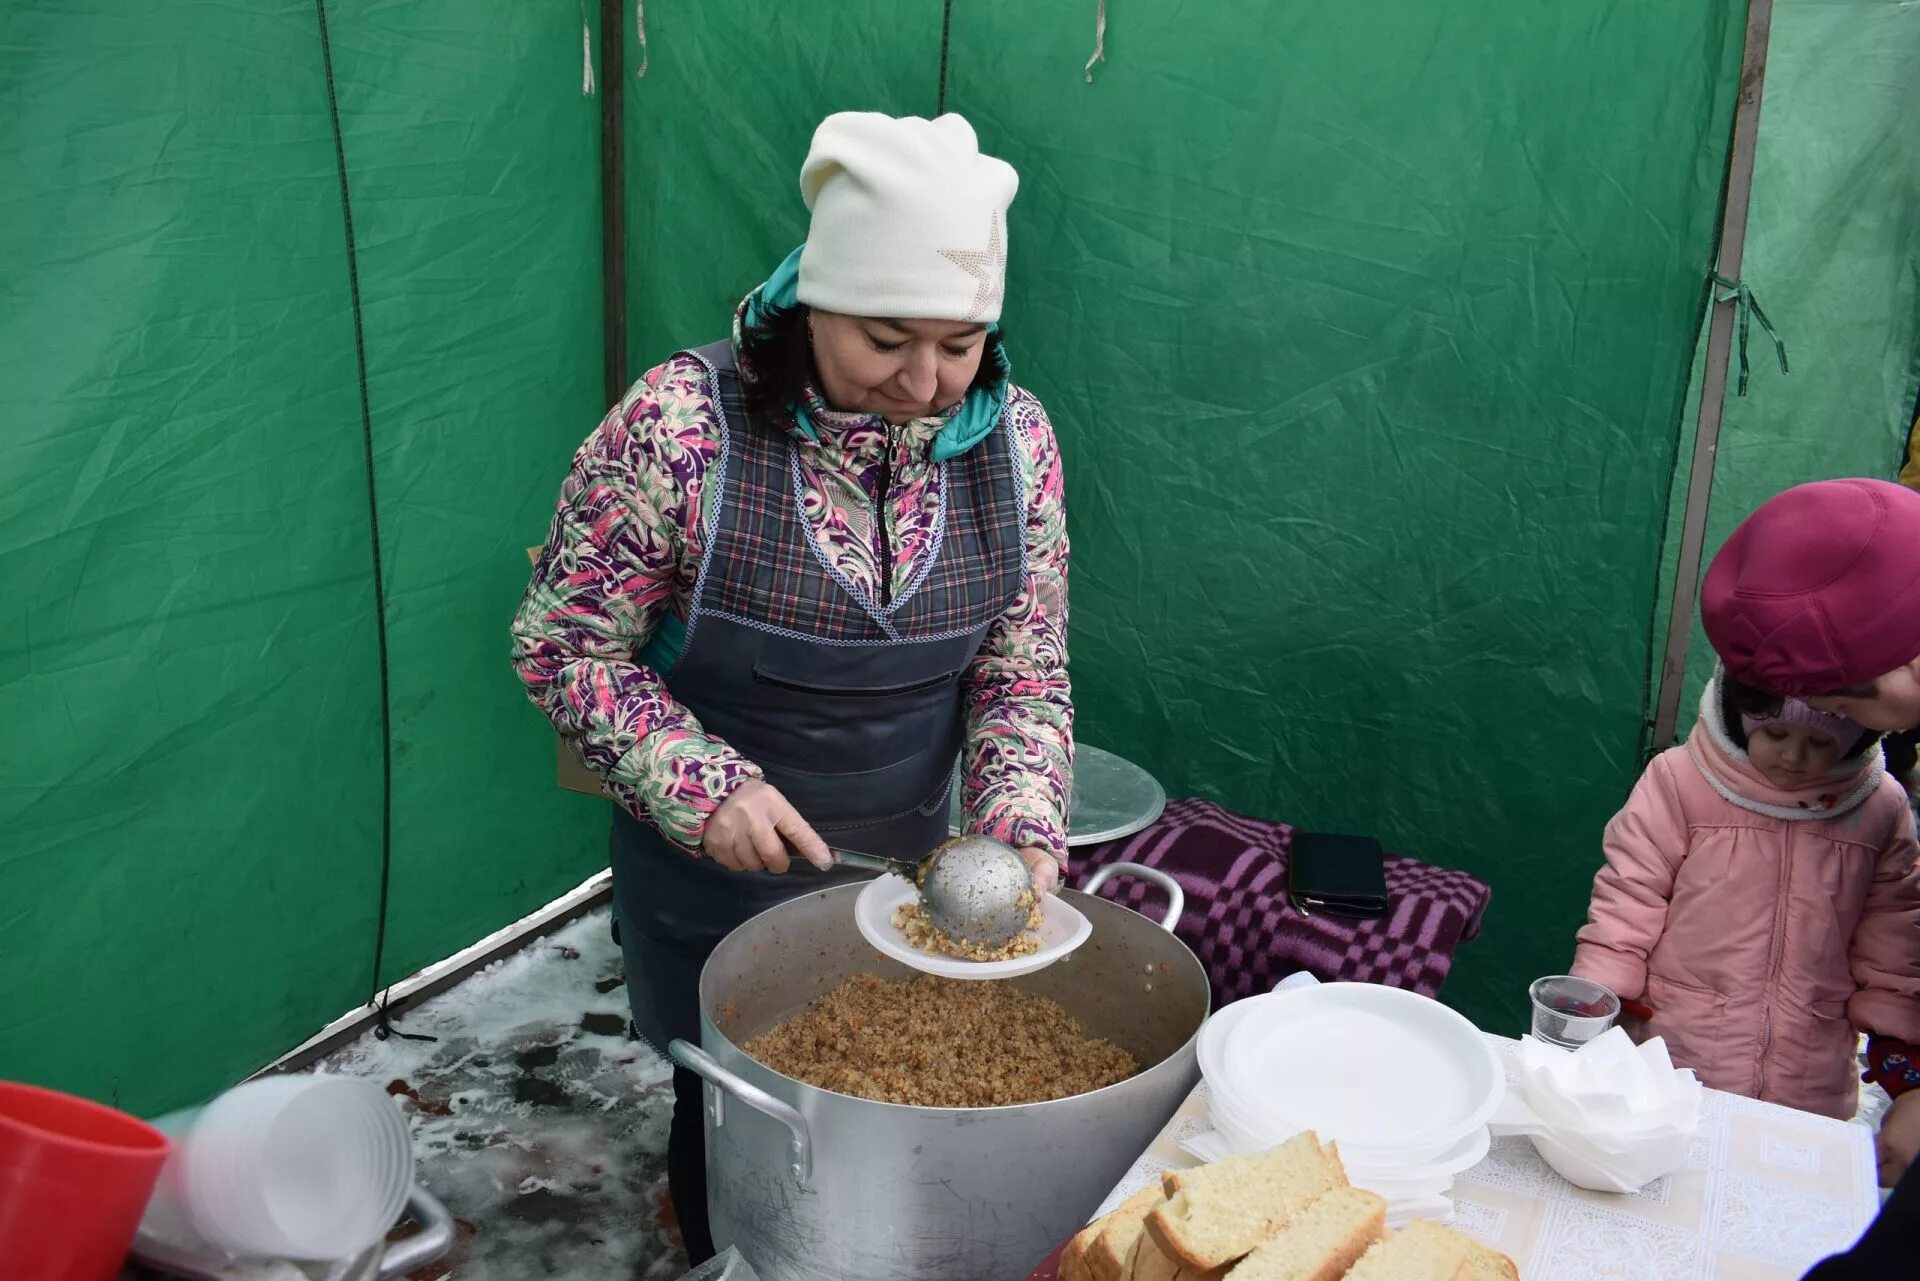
285 1167
1404 1085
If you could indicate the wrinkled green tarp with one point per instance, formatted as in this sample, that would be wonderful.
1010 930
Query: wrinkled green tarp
189 713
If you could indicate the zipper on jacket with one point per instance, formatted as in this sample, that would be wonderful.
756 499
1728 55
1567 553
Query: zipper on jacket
1774 961
885 549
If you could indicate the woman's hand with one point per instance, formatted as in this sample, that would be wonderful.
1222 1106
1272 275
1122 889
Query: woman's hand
753 828
1899 1138
1041 865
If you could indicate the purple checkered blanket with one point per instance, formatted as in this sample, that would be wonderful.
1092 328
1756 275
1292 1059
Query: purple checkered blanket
1240 924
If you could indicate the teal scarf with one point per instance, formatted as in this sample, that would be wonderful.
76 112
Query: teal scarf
977 416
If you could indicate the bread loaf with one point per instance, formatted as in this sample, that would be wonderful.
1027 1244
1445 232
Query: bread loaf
1218 1213
1109 1251
1151 1263
1283 1215
1321 1242
1420 1252
1485 1264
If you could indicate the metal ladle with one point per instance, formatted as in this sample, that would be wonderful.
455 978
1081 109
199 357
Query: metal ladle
973 887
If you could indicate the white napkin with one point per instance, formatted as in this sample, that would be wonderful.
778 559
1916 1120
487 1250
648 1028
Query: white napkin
1611 1116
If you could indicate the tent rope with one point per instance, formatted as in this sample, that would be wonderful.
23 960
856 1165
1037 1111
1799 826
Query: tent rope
385 1028
1099 39
586 53
946 51
1740 293
376 561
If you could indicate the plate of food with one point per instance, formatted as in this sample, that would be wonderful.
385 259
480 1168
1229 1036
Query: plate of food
889 916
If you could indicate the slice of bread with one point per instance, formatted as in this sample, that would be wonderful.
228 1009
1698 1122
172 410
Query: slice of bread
1075 1262
1321 1242
1073 1259
1151 1263
1486 1264
1108 1252
1218 1213
1420 1252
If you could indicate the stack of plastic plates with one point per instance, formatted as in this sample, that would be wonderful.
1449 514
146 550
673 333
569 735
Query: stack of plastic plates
1404 1085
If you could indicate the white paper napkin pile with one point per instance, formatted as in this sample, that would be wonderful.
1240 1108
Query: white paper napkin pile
1611 1116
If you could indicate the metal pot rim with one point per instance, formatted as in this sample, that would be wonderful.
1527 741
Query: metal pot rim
721 1042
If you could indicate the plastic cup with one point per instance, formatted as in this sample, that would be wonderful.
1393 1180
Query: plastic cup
289 1167
74 1179
1569 1011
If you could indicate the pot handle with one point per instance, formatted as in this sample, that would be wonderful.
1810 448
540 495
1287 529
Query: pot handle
428 1245
703 1065
1176 897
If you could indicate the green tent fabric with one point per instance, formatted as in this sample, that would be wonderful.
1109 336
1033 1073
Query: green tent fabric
1380 563
1833 254
475 178
1364 331
190 780
715 136
189 787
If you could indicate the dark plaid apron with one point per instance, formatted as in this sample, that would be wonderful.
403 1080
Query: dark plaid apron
854 711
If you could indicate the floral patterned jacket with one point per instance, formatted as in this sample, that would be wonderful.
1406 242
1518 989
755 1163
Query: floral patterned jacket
624 550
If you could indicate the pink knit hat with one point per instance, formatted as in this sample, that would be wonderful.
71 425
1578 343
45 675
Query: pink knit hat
1819 589
1844 729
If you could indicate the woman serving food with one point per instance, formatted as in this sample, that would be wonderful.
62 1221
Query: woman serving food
794 575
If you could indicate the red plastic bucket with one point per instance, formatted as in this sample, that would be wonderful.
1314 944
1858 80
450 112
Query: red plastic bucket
75 1177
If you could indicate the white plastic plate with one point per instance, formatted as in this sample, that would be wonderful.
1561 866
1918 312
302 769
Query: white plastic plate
1211 1047
1337 1059
1458 1159
1062 929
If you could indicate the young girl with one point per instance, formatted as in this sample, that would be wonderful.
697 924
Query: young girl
1760 895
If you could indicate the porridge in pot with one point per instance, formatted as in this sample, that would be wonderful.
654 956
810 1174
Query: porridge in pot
938 1042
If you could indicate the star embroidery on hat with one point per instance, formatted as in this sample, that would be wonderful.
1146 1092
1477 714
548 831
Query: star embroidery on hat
988 266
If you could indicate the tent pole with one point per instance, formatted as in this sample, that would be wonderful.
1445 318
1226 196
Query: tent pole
1713 391
613 235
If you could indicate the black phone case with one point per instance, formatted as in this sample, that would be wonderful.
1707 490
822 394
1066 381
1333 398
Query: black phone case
1339 875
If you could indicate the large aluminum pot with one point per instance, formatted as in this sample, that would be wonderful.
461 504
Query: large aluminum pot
816 1186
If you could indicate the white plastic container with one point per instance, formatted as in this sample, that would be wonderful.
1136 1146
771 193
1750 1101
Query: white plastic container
311 1168
1338 1059
1458 1159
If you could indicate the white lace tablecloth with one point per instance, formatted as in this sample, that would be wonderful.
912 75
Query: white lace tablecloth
1766 1193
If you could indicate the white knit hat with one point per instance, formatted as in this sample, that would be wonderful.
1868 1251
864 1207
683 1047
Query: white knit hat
909 219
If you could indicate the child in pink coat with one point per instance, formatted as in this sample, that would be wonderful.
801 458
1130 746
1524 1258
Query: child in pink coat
1760 895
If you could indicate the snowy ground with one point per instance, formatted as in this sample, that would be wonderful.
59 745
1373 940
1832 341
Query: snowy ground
535 1119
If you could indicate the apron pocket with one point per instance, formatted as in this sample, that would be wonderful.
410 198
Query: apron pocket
762 676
